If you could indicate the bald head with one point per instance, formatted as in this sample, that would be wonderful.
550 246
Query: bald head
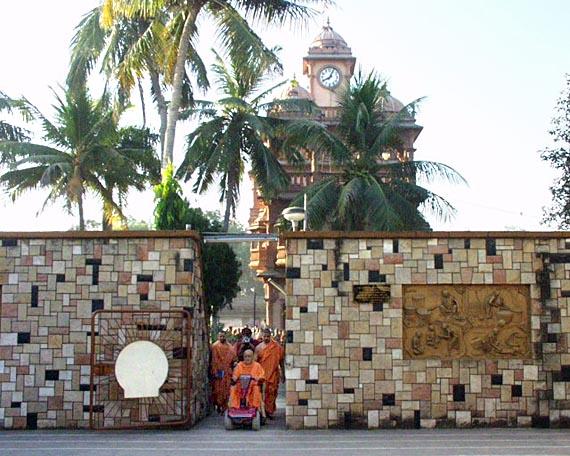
248 356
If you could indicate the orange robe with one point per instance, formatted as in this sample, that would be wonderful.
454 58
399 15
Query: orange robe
270 358
254 397
223 355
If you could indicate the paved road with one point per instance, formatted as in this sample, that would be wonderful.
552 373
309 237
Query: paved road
209 438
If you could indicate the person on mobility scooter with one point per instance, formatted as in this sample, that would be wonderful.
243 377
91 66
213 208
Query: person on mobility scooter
246 400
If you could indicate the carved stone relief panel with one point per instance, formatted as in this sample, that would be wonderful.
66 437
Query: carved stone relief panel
466 322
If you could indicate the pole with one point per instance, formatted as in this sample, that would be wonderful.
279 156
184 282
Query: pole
305 211
254 307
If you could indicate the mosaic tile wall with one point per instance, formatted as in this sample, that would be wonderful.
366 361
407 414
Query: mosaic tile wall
346 363
49 286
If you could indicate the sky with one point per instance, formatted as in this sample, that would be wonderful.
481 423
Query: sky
490 72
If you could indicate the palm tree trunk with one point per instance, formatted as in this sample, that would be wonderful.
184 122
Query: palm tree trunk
178 79
230 203
141 94
81 218
161 106
105 219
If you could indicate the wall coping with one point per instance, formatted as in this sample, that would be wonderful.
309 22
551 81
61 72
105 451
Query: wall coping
425 234
100 234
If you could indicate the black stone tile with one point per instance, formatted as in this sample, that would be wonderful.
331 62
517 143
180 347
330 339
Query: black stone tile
9 242
303 402
150 327
540 421
450 251
87 387
516 390
96 408
565 373
89 333
376 277
346 271
52 374
97 304
388 399
95 276
293 273
367 354
315 244
334 284
92 262
23 337
496 379
438 261
303 309
32 421
467 243
145 277
167 287
491 247
348 391
154 418
396 246
289 337
325 267
552 338
188 265
311 382
378 306
179 353
459 393
60 278
15 405
144 296
417 419
35 294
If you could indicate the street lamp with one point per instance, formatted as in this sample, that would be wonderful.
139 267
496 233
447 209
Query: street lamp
294 215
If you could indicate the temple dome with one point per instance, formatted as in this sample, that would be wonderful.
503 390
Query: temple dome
294 91
392 104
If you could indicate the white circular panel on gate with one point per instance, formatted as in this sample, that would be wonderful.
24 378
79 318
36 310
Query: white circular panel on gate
141 369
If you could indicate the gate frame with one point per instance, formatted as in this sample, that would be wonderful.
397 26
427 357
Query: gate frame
187 421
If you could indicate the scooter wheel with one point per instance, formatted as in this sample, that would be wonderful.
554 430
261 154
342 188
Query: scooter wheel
228 423
256 422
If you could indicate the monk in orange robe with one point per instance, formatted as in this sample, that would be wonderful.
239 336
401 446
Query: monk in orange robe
271 356
248 367
223 357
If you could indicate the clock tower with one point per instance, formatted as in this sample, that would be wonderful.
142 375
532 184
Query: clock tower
329 66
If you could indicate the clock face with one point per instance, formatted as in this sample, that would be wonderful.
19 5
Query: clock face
329 77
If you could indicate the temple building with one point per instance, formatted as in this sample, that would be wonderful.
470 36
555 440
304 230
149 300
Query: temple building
329 66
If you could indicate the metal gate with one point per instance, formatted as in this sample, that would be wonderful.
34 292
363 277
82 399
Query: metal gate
111 332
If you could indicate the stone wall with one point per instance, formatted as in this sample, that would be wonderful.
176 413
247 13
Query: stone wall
51 283
352 297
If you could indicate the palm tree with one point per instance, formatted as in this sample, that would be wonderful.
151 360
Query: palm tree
367 192
125 51
176 23
9 132
235 131
82 142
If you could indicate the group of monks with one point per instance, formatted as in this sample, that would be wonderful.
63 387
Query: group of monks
262 359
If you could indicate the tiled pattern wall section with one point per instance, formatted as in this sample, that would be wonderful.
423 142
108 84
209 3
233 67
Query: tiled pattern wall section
49 289
345 363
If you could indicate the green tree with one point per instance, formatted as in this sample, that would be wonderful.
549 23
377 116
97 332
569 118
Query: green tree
234 131
175 22
558 156
83 153
368 193
222 269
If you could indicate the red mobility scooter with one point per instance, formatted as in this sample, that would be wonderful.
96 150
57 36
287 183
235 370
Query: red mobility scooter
245 415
